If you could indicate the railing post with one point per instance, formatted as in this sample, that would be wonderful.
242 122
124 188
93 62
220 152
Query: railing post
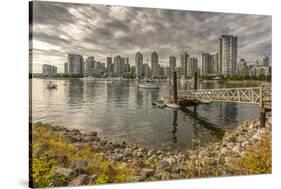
262 109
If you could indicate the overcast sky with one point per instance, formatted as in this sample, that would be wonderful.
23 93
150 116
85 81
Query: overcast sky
101 31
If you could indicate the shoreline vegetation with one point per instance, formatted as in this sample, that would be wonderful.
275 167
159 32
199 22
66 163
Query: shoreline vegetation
70 157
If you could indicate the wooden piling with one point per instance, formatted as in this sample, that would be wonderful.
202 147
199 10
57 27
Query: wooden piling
262 108
175 87
195 81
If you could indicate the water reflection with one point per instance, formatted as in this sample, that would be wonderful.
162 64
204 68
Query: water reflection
121 111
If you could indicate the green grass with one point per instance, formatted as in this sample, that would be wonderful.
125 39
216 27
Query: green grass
258 159
59 153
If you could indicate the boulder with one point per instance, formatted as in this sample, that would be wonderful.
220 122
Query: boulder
148 172
68 173
80 166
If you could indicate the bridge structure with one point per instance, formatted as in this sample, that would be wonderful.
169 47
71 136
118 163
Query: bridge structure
251 95
261 95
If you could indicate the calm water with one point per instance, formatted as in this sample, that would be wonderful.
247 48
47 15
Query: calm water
120 111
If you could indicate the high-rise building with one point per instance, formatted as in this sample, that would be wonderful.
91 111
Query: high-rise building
243 68
126 67
265 60
172 66
109 64
206 63
184 61
161 71
154 64
65 68
228 55
193 62
139 65
118 61
48 70
90 65
75 64
146 71
215 63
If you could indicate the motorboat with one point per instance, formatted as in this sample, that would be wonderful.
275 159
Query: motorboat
173 105
149 84
52 85
159 103
205 101
89 78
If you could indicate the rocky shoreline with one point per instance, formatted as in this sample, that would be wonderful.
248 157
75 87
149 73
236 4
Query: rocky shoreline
216 159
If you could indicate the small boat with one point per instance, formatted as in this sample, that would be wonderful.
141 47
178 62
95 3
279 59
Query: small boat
89 78
149 84
159 103
52 85
173 105
205 101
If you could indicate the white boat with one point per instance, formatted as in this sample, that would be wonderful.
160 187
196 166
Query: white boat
173 105
159 103
149 84
205 101
52 85
89 78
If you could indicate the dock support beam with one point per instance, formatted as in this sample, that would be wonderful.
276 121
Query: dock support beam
195 81
175 87
262 109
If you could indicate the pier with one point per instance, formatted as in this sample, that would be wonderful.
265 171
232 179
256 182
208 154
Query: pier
252 95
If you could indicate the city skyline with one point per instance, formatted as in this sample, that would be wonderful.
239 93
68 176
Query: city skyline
102 31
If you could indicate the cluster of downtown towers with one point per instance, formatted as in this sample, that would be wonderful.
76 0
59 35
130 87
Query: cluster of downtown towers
224 62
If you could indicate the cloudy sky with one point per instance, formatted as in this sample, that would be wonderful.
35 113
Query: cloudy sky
101 31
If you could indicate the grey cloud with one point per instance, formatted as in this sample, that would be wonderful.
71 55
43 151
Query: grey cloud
106 31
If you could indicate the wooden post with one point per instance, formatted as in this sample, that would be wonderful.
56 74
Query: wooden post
195 81
262 109
175 87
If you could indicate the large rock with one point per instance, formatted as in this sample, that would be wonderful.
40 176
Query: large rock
80 180
80 166
148 172
68 173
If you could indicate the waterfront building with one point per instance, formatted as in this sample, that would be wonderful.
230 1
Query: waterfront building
49 70
118 61
139 65
154 64
252 70
126 67
65 68
206 64
90 65
168 72
161 71
109 64
193 62
243 68
184 61
75 64
215 64
178 70
263 70
172 64
146 71
228 55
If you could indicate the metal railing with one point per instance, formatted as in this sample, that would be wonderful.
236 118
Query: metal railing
243 95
